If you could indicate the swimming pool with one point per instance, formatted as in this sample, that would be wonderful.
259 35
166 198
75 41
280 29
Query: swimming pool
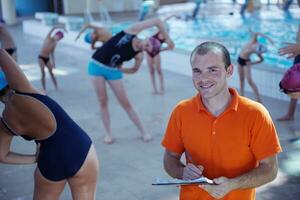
233 32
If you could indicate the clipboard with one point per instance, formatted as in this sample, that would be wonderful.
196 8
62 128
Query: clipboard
198 181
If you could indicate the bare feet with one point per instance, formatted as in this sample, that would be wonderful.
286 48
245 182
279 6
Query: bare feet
155 92
108 139
146 137
285 118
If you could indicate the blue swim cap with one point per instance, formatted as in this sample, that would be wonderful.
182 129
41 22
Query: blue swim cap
148 3
88 37
3 82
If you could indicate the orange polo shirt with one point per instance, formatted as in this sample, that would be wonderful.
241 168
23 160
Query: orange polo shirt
228 145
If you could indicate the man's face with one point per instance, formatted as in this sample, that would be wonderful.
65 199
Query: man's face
209 74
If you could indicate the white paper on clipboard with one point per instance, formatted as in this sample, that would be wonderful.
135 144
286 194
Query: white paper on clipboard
202 180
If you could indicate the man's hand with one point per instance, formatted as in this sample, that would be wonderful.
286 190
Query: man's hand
191 172
223 187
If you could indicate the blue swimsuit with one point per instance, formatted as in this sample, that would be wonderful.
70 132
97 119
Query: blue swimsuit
63 153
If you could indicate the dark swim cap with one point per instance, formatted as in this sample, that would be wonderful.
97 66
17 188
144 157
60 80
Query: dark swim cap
155 43
290 81
59 34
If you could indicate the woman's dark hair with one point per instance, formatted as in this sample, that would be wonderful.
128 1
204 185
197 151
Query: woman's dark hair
215 47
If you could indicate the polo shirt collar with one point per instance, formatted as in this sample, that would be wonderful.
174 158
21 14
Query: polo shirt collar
232 106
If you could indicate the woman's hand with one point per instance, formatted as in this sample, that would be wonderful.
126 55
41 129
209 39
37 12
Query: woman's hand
170 44
291 50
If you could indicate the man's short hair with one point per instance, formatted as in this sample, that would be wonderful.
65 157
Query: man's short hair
215 47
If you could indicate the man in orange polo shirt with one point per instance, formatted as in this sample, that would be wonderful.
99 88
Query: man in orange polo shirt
225 137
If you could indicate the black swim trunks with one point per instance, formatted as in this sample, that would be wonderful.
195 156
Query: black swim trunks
243 61
44 59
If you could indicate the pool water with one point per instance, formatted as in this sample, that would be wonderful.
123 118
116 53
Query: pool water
233 32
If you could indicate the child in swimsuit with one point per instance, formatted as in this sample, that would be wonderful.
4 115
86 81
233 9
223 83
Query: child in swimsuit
106 66
154 60
244 62
46 53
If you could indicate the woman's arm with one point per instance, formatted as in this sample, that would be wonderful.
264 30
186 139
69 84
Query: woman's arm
291 49
138 59
138 27
9 157
83 28
170 45
15 77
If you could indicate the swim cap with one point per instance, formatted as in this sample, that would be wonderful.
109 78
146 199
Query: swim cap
59 34
155 43
148 3
261 48
3 82
290 81
88 37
